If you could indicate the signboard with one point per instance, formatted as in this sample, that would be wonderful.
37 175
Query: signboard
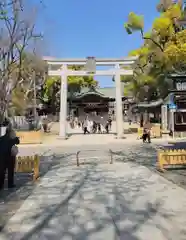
90 66
181 86
179 83
172 106
164 117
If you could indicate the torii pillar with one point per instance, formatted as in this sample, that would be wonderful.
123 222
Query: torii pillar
63 104
119 108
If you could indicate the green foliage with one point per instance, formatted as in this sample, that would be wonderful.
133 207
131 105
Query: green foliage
127 28
174 12
135 23
163 52
175 50
48 89
163 26
3 14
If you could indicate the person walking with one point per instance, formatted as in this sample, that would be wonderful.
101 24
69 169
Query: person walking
90 124
146 132
99 127
8 150
94 127
85 126
107 127
110 123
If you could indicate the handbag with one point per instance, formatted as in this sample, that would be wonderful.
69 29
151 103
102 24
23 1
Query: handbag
14 150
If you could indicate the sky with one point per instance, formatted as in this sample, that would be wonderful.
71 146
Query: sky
81 28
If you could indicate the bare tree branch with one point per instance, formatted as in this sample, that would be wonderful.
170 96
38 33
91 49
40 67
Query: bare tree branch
17 33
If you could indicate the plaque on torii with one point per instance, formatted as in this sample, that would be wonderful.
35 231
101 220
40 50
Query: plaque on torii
90 66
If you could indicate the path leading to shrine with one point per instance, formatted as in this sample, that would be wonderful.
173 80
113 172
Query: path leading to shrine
99 201
78 130
76 136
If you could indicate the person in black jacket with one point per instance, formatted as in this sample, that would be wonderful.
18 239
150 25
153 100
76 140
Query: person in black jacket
7 162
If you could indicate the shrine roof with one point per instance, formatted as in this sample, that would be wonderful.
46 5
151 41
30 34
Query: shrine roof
177 75
151 104
108 92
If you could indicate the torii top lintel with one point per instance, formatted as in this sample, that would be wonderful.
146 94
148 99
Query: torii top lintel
82 61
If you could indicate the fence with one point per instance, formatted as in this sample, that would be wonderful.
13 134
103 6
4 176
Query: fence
28 164
140 132
30 137
20 122
167 158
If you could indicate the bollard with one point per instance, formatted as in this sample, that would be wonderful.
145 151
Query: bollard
111 156
77 158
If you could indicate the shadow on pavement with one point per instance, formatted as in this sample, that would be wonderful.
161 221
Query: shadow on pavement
177 145
12 199
143 154
146 155
97 208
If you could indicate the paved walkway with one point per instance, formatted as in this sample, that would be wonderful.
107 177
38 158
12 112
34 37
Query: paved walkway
100 201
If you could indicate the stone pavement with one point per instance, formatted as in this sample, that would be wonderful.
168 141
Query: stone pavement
101 201
12 199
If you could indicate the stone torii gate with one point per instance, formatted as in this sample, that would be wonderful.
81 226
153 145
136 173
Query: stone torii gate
59 67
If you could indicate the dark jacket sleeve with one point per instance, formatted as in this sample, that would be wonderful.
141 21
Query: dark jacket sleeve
15 141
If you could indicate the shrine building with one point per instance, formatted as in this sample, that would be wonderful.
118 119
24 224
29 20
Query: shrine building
99 100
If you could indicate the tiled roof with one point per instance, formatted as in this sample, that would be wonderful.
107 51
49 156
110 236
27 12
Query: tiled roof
151 104
108 92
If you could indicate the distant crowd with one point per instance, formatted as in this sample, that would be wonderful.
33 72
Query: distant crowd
92 124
